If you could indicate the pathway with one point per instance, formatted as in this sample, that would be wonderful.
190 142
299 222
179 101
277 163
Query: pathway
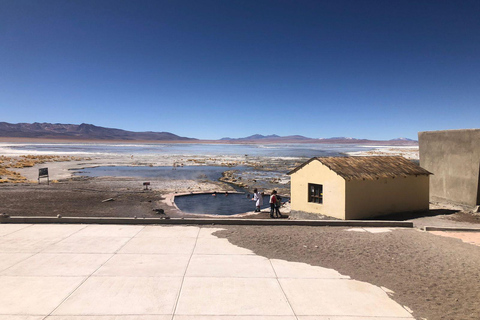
106 272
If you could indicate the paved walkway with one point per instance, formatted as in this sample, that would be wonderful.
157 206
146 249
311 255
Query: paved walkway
112 272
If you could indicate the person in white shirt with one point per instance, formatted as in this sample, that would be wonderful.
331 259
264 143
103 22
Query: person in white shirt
258 198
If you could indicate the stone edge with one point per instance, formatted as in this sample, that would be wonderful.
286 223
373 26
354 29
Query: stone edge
194 221
458 229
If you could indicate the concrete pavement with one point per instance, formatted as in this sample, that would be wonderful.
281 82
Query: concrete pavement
124 272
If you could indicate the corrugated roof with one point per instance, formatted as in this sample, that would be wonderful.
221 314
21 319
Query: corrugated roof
369 168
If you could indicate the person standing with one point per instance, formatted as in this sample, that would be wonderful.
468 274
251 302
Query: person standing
258 198
273 201
278 204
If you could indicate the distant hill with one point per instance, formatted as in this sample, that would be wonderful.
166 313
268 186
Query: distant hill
91 132
258 138
269 137
78 132
403 139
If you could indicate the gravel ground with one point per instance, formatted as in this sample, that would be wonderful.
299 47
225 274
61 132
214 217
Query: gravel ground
437 277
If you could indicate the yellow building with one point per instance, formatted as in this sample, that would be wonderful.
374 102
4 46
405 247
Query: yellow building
359 187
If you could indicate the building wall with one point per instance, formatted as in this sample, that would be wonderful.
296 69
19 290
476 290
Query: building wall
370 198
453 156
333 190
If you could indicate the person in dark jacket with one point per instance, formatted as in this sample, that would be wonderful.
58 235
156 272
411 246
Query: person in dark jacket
278 204
273 201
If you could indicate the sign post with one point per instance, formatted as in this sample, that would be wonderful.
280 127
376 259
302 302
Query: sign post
43 173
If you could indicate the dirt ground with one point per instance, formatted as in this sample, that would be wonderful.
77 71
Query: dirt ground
85 197
438 216
101 197
79 199
437 277
466 217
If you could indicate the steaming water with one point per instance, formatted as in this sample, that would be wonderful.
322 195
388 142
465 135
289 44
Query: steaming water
222 205
270 150
211 173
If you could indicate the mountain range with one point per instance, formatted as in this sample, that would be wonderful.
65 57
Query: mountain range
91 132
334 140
80 132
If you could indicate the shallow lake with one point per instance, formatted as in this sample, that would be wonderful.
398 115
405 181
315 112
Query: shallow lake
211 173
306 150
220 204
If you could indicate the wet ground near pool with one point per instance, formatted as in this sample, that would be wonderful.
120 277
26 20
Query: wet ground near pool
220 204
211 173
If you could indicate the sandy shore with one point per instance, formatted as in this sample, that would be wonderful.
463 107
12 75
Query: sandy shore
408 152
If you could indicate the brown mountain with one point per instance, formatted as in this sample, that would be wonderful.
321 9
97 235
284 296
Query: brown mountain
78 132
91 132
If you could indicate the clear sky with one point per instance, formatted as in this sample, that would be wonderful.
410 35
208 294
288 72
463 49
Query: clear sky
210 69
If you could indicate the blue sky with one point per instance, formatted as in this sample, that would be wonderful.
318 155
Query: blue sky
212 69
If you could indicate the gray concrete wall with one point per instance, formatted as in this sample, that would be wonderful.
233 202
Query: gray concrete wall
453 156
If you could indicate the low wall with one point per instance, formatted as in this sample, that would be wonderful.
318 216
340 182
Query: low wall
193 221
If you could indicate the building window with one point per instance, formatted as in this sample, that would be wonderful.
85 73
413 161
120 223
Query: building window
315 193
